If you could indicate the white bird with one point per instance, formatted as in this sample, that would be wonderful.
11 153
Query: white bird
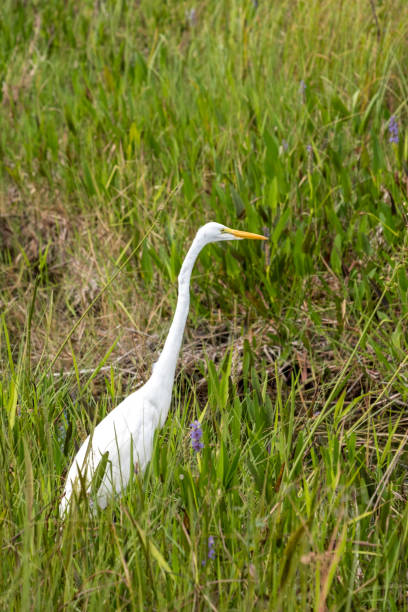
123 440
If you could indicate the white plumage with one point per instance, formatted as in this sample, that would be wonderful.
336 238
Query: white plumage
124 438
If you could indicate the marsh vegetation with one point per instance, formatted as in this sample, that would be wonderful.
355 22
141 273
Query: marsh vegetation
124 127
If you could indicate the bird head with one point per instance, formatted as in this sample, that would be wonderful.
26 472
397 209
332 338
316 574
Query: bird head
216 232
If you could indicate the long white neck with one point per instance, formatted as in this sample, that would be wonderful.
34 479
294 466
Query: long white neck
165 367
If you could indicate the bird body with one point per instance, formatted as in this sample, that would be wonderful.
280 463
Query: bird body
125 436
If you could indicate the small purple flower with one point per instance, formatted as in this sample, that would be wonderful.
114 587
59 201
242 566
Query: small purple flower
309 149
191 16
196 434
285 145
211 548
393 130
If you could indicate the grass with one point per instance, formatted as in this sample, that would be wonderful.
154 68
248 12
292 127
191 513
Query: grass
125 126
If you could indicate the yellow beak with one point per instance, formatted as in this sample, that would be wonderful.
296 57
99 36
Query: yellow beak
240 234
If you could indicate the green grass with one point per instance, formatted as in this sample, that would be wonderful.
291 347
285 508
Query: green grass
123 127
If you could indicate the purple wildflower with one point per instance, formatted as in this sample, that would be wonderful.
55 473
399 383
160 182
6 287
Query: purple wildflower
285 145
211 549
191 16
309 148
302 91
196 435
393 130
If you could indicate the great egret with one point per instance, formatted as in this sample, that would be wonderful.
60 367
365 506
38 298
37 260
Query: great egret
123 440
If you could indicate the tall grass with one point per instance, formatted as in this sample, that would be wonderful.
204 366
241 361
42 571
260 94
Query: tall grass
125 126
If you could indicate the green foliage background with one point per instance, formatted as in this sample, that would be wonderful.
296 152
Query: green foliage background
124 126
